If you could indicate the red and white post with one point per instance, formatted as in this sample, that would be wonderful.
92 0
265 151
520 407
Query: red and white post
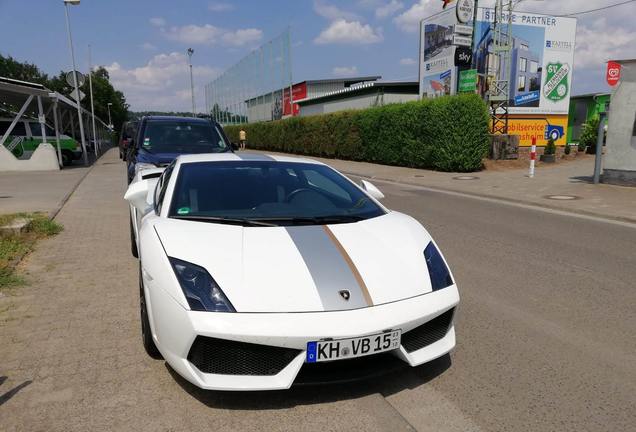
533 156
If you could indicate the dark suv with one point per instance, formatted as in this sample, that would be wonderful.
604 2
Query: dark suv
160 139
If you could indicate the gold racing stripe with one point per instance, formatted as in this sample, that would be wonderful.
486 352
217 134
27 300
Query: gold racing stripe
352 266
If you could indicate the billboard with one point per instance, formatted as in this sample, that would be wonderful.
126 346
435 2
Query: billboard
437 52
299 92
539 68
539 126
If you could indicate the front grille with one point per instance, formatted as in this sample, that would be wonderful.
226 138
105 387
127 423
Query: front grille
220 356
427 333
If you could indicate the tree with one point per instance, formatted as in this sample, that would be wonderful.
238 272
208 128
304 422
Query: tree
11 68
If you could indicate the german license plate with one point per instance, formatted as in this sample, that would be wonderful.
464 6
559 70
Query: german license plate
327 350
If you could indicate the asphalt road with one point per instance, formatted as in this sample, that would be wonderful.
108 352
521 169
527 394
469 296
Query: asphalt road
545 332
547 319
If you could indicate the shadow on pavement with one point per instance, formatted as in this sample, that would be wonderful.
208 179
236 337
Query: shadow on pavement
391 382
582 179
8 395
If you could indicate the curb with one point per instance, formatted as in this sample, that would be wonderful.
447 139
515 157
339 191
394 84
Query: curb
631 221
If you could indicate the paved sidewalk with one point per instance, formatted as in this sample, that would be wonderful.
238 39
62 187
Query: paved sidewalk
571 178
38 191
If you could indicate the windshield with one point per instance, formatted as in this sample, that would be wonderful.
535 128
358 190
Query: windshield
268 193
164 136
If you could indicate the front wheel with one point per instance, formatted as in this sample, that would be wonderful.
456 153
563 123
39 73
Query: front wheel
146 332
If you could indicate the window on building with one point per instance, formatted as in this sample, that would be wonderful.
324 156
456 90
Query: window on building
523 64
534 66
521 83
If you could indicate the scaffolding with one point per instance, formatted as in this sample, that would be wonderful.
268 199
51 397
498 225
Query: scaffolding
499 88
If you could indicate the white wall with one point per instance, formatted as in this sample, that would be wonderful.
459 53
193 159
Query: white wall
354 102
44 158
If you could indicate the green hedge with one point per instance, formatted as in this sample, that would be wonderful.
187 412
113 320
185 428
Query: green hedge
447 134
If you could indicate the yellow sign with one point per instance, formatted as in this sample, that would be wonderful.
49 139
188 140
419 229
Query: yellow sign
542 127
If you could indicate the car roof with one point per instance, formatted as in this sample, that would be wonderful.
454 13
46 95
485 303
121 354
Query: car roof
242 156
176 118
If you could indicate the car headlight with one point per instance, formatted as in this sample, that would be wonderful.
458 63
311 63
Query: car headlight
201 291
437 269
140 166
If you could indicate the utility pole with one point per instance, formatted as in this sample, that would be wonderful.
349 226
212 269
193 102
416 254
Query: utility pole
90 85
76 84
190 52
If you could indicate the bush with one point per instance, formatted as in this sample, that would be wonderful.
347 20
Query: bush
567 149
589 135
550 148
447 134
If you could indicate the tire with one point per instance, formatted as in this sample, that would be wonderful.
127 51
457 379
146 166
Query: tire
555 135
133 243
121 155
146 332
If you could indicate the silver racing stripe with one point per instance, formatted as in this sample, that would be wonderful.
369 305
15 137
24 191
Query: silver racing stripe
253 157
329 269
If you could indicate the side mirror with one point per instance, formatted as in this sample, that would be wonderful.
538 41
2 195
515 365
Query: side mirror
372 190
235 146
137 195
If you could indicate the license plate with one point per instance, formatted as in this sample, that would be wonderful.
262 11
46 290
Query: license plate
327 350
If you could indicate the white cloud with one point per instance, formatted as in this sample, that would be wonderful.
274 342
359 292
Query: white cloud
344 71
147 46
409 20
220 6
407 61
194 34
208 34
388 9
163 83
242 36
332 12
598 42
349 32
157 21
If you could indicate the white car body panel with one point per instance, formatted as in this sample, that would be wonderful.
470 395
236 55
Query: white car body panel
283 282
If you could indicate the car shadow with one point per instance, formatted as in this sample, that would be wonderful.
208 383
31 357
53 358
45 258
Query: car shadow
4 397
582 179
386 384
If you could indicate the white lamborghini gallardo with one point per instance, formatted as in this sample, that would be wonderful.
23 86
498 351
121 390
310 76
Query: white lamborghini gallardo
253 268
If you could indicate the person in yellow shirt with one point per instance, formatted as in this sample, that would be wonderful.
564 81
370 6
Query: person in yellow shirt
242 138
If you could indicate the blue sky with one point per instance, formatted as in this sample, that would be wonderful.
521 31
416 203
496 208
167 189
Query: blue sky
143 42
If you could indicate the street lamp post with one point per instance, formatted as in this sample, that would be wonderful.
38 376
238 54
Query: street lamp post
90 84
75 83
190 52
110 122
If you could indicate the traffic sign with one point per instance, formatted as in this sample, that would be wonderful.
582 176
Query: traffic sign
80 78
462 40
467 80
613 74
74 95
464 10
462 29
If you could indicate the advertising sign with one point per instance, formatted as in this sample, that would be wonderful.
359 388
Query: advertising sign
613 74
540 127
467 80
463 56
541 61
437 63
299 91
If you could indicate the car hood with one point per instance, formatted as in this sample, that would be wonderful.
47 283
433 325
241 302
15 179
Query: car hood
306 268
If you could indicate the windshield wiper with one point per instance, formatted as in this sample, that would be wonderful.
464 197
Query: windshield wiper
313 220
224 220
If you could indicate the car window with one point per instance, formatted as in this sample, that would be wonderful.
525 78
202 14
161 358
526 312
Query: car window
162 185
165 136
267 189
18 130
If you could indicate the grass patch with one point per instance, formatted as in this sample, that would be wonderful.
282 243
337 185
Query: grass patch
16 246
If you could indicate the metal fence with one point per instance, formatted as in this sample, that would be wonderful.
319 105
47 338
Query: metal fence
252 89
